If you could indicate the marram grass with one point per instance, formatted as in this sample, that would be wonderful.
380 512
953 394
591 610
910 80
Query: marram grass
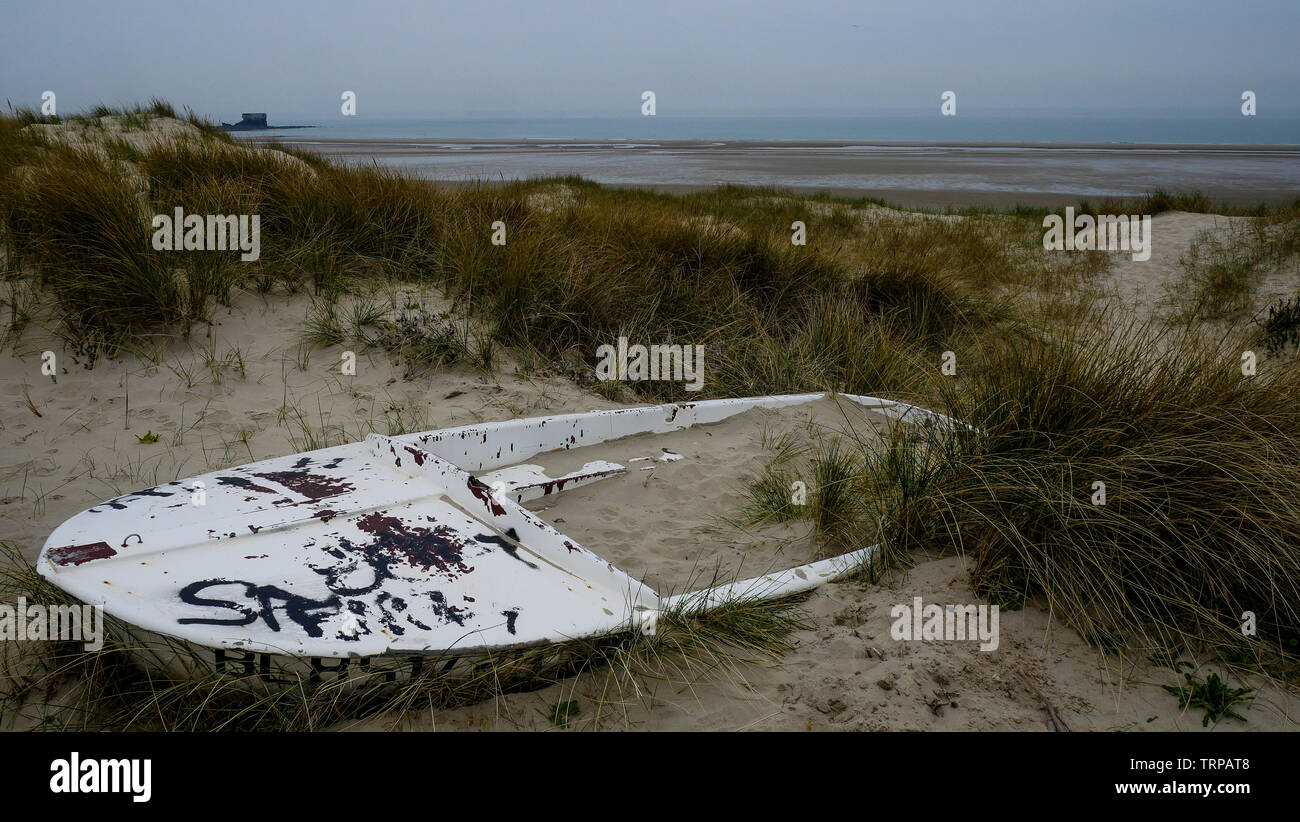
1130 478
580 267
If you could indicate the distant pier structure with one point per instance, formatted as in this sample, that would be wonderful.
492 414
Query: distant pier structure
252 121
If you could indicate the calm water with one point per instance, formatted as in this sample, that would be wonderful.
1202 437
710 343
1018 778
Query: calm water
1227 127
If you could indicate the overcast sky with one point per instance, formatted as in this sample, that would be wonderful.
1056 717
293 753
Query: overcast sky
432 59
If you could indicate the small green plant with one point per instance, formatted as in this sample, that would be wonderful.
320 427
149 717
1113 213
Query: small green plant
1213 695
421 340
1282 326
835 497
562 712
147 437
771 498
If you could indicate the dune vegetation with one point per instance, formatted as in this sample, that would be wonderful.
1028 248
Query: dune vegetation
1200 462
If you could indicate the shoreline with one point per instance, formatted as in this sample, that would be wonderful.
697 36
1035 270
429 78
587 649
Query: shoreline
371 143
928 174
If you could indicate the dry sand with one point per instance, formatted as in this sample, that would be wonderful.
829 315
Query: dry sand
670 519
1149 290
847 673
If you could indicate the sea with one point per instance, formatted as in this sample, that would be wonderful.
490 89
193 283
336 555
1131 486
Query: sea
1227 127
966 159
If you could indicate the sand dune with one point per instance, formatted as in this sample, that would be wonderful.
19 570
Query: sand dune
224 398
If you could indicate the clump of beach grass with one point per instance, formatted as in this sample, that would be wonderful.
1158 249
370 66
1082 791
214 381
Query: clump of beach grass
1281 325
826 476
1221 272
1131 477
1224 266
80 222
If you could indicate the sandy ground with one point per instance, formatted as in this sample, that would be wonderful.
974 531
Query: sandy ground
1148 289
240 391
846 673
691 483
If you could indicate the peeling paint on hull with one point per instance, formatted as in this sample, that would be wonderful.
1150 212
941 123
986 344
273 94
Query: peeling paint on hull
388 550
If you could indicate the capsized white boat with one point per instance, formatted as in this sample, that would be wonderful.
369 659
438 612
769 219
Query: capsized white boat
395 546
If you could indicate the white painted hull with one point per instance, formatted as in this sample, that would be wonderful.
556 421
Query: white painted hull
394 546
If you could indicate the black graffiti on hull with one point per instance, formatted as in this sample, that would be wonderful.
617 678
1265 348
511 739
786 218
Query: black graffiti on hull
309 613
390 607
510 548
120 503
395 547
245 483
306 612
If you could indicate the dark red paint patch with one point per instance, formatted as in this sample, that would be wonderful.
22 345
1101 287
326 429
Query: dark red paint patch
419 547
79 554
484 493
312 486
558 484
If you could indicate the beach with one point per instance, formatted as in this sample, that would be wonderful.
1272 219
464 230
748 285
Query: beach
442 327
65 450
398 373
918 174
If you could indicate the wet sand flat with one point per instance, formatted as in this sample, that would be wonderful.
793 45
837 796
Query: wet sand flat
918 174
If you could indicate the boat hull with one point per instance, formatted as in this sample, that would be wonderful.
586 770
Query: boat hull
388 555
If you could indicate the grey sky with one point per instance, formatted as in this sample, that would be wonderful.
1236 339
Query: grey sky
720 57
